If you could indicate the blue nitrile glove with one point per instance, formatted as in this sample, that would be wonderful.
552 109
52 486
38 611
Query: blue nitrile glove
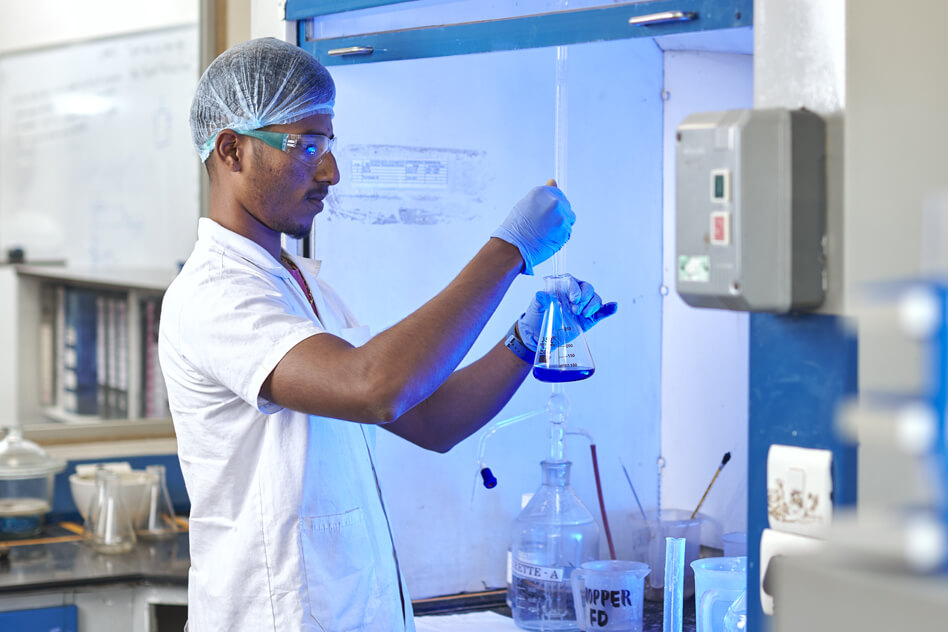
538 225
587 307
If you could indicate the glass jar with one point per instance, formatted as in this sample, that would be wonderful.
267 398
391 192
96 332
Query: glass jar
553 535
26 485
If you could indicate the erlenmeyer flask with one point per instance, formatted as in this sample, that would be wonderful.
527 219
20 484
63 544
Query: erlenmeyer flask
155 513
562 352
110 524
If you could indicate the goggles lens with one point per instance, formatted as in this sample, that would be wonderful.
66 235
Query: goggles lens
309 149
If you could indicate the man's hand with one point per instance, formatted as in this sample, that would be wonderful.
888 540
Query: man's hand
586 305
538 225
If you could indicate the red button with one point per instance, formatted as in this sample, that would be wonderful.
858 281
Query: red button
719 229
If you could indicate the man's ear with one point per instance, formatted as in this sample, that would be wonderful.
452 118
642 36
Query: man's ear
226 149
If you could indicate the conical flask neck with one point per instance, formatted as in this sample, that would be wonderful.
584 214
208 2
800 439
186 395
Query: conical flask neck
558 285
556 473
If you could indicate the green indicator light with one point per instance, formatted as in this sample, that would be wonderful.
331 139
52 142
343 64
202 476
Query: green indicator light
719 186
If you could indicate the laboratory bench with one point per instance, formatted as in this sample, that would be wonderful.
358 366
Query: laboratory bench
65 563
58 575
495 601
145 590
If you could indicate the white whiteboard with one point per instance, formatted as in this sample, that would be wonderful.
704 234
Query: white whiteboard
96 163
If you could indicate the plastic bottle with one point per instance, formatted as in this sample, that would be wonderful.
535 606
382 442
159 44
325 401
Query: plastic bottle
553 534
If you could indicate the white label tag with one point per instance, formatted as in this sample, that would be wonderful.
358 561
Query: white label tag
530 571
696 268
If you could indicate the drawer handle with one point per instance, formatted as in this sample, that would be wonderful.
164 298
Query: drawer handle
661 18
351 50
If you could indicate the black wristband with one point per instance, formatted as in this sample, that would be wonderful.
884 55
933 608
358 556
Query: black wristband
522 351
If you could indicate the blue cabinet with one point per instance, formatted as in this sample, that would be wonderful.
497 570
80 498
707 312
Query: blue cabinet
653 18
59 619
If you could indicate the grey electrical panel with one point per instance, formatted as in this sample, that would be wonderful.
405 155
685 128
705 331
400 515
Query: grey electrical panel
751 210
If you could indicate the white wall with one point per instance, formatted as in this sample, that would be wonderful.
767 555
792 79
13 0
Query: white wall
39 23
492 118
896 189
447 543
704 351
800 61
93 212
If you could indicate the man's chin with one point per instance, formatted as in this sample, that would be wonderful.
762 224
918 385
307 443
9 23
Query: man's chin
298 232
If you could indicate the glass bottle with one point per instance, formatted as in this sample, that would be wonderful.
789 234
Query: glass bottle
553 534
562 352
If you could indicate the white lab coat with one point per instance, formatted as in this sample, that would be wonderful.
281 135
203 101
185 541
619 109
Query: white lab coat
288 530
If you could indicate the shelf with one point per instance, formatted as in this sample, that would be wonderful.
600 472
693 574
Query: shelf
153 279
53 433
60 416
30 322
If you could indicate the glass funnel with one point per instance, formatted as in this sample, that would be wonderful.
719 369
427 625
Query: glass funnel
562 352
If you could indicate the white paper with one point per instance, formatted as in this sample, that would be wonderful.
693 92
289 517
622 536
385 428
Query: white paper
471 622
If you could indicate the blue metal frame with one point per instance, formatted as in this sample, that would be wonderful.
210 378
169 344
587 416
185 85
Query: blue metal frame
535 31
302 9
801 368
61 618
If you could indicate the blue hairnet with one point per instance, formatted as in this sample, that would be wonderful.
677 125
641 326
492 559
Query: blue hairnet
258 83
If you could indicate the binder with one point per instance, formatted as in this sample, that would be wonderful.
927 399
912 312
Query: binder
121 378
80 372
154 392
101 355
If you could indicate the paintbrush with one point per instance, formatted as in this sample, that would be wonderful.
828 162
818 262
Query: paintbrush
727 457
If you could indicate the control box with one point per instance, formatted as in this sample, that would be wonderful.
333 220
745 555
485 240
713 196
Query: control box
751 210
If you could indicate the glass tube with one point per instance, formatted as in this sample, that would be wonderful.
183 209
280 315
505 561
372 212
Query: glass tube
674 584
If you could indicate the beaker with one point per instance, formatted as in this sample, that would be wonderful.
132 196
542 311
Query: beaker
155 512
562 352
553 535
719 582
674 523
607 595
735 544
109 524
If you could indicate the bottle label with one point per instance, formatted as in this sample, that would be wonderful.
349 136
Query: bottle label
531 571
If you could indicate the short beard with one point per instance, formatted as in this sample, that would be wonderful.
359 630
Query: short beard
300 232
295 231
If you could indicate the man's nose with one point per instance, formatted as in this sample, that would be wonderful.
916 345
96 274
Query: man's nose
327 170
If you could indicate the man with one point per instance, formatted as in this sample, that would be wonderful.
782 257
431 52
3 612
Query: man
275 390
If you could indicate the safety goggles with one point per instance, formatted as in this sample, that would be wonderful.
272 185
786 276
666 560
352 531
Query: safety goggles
309 149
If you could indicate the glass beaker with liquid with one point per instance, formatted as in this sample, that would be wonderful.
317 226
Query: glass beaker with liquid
553 535
562 352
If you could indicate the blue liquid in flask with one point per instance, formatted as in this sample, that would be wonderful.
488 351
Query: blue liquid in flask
573 374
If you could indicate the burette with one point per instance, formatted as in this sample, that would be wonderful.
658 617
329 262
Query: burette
558 404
